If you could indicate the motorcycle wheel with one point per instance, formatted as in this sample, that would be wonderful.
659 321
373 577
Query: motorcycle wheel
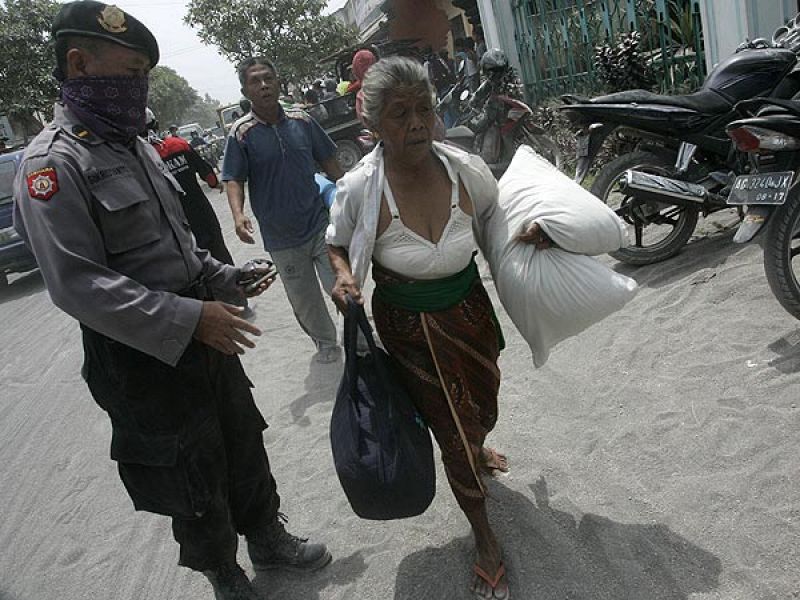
781 249
543 145
657 230
347 153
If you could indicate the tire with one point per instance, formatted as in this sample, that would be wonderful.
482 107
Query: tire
347 153
667 226
781 246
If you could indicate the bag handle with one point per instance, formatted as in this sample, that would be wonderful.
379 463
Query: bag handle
354 319
350 335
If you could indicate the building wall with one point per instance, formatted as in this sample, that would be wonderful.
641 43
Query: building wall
346 14
359 13
457 20
497 21
727 23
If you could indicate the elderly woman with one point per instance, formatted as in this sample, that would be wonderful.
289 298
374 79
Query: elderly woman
416 210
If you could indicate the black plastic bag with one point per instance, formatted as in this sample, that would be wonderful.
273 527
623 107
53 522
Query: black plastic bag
381 447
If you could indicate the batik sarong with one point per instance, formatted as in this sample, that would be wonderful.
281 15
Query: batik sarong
448 361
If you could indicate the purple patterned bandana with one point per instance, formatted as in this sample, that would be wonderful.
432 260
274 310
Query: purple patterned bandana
111 107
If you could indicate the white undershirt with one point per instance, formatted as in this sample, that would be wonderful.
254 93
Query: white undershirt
405 252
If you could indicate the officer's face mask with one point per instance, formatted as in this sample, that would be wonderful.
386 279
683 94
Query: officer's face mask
113 108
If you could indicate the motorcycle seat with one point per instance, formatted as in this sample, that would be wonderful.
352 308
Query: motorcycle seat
772 107
703 101
459 131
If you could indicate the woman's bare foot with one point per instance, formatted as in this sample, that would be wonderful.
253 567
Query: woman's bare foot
490 582
491 460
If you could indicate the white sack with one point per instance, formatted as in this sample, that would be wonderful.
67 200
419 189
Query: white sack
553 294
574 218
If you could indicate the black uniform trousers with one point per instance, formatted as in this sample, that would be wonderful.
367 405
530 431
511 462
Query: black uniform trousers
188 443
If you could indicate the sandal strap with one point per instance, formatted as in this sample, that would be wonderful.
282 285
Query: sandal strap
494 456
501 570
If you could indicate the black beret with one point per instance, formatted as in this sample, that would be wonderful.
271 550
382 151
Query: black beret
89 18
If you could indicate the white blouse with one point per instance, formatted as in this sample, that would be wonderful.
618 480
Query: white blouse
355 211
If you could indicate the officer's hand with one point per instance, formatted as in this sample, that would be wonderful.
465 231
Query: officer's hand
220 328
244 229
263 280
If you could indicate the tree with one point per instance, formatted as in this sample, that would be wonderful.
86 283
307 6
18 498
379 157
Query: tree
204 111
170 96
26 58
294 34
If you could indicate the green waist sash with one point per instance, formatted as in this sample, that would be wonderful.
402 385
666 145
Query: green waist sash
432 295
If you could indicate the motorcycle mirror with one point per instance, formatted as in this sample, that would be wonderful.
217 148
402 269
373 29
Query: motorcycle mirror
779 34
464 95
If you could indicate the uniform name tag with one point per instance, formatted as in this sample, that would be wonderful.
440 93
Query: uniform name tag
95 176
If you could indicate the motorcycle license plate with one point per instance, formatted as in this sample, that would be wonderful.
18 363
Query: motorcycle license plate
763 188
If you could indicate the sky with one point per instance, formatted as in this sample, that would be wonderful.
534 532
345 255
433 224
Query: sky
181 49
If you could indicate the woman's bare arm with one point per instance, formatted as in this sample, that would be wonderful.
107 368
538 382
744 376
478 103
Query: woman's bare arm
346 284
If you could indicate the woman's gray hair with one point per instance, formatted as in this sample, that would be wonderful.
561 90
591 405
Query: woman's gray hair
383 78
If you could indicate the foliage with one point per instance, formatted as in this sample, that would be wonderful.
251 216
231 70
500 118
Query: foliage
203 111
682 23
292 33
557 42
26 59
170 96
559 129
622 66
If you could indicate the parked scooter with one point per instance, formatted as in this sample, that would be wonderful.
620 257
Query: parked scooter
453 101
494 123
681 161
771 139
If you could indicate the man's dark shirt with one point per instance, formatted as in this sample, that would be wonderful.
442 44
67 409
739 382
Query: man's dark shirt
185 164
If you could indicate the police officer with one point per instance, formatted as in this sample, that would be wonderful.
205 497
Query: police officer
101 213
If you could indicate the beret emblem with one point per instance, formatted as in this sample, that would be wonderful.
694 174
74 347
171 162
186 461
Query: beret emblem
112 19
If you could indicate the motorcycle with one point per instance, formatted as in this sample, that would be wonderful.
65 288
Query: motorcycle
770 137
681 160
452 101
494 123
211 150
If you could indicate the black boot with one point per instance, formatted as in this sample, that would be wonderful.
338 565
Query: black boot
230 583
272 547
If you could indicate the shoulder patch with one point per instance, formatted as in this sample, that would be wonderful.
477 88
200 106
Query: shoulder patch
42 183
242 126
297 113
